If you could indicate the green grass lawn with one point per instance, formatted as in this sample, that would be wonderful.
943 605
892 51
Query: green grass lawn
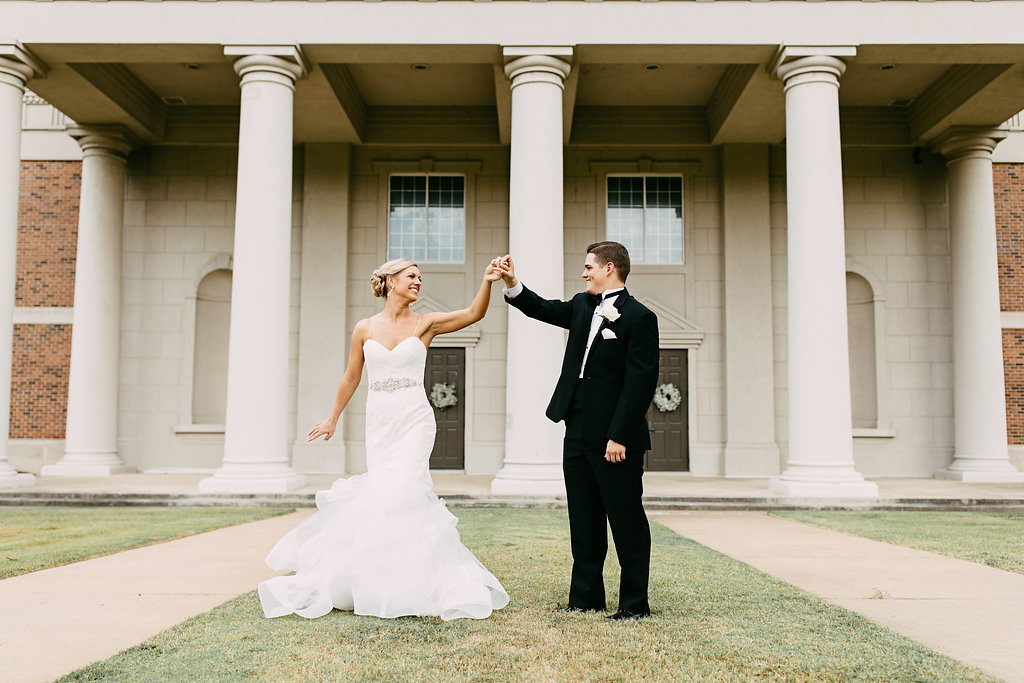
715 618
42 537
992 538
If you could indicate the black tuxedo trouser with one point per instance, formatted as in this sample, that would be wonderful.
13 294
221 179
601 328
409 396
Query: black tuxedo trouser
602 493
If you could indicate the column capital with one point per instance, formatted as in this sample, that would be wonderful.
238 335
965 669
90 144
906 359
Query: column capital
104 140
967 142
532 64
796 64
284 64
18 65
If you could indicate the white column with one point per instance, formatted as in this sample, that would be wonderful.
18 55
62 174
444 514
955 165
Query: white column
15 71
820 462
979 398
533 444
256 443
90 444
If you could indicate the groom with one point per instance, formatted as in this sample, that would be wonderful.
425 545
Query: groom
609 373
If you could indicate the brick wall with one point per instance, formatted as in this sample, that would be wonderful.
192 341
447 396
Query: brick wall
47 232
39 381
47 239
1009 190
1013 369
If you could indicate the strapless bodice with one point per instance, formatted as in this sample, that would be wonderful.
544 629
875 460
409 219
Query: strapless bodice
398 368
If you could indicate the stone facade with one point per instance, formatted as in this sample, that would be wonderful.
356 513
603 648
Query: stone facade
178 227
179 216
859 169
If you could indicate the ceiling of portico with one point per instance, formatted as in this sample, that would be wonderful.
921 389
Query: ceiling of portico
373 94
617 85
436 85
198 83
876 85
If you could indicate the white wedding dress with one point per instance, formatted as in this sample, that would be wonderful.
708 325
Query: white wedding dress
382 543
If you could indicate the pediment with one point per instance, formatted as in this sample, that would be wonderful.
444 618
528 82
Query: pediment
466 337
674 331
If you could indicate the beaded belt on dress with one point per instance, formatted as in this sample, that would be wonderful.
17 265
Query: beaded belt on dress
394 384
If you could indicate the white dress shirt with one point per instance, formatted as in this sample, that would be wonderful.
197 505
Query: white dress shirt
595 322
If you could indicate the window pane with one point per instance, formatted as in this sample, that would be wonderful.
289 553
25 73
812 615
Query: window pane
446 242
625 217
407 218
663 220
427 218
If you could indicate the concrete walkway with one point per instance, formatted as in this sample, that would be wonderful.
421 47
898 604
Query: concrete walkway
57 620
962 609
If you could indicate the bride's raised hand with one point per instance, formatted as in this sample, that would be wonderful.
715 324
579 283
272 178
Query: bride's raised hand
493 271
324 427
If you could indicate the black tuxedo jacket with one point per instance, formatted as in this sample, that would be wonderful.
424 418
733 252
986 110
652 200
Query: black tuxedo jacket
621 373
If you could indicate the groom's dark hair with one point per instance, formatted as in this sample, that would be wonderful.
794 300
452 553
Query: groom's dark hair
611 252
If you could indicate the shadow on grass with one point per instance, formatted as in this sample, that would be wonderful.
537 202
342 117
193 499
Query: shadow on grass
715 618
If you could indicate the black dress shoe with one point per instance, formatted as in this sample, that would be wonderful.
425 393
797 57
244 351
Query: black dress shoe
626 615
570 609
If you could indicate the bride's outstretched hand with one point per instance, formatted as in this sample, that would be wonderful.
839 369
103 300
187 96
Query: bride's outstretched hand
325 427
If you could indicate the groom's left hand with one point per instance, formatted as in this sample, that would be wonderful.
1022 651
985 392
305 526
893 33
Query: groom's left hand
614 452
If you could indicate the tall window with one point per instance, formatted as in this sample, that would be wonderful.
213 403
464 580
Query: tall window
427 218
645 213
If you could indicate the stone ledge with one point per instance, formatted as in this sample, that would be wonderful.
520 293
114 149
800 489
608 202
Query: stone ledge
29 498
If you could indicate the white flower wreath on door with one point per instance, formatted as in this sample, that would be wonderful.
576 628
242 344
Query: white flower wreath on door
443 396
667 397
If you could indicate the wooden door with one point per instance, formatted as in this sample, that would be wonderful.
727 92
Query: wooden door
670 438
448 365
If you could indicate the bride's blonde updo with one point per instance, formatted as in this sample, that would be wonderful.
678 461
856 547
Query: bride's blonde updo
379 277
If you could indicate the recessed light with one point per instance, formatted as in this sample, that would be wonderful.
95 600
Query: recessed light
174 100
886 67
420 67
901 102
192 66
652 67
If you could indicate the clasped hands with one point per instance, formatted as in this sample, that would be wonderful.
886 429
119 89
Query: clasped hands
505 269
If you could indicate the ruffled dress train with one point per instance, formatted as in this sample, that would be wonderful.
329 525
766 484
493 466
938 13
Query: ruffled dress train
382 543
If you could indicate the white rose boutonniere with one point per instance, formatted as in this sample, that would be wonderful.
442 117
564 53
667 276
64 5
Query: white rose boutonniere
606 309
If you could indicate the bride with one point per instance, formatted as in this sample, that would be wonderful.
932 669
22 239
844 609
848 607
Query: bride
382 543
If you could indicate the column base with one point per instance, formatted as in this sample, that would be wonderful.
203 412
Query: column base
824 489
86 465
982 477
529 479
13 479
276 482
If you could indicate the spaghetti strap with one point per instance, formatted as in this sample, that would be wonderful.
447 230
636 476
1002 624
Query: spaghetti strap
369 328
416 332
